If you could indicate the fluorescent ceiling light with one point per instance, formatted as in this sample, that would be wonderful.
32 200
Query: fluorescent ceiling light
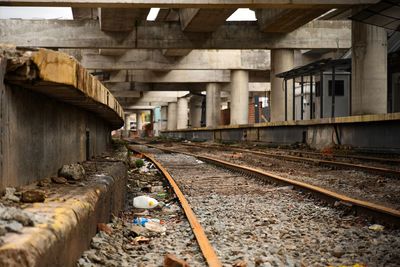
64 13
243 14
153 14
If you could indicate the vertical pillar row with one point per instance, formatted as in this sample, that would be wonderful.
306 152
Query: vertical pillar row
369 69
213 105
182 113
195 111
239 109
281 60
171 120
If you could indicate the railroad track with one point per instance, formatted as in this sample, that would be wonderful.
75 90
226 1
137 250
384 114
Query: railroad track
320 162
205 186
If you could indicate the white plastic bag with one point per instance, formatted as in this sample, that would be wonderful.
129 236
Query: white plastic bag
144 202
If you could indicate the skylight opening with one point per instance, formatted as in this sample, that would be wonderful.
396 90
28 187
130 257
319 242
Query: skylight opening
61 13
153 14
243 14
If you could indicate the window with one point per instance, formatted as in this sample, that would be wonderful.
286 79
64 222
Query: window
339 88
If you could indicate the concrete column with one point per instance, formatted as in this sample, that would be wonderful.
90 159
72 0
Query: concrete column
182 113
369 69
171 121
213 105
281 60
127 122
239 97
164 112
195 111
139 122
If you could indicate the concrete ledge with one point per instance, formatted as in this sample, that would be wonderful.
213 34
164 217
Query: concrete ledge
70 217
337 120
60 76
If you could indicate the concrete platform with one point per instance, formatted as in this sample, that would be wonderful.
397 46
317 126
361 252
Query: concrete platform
379 133
69 218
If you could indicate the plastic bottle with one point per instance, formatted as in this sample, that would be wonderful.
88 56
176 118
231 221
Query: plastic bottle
142 221
144 202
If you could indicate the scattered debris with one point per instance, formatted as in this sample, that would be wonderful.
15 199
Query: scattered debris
73 171
239 263
376 227
173 261
155 227
59 180
144 202
32 196
44 182
141 239
105 228
10 194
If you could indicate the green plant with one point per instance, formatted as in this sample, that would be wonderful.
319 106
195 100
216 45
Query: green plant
139 163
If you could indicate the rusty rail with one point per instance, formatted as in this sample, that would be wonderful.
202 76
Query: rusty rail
205 246
377 212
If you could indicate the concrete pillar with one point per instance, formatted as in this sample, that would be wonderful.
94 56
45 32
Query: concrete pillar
139 122
171 121
195 111
213 105
281 60
164 112
182 113
369 69
239 96
127 122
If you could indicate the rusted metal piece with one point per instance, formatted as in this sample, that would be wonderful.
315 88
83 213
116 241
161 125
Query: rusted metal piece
377 212
205 246
377 170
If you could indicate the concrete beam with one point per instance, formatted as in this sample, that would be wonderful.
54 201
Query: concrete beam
84 13
195 60
151 35
120 19
172 76
187 3
133 86
203 20
286 20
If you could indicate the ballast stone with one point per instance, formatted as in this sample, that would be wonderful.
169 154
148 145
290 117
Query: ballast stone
73 171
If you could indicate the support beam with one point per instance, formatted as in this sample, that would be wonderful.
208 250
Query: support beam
203 20
172 76
187 3
84 13
143 59
139 121
213 105
286 20
182 113
239 97
369 69
164 111
120 19
151 35
281 60
143 87
171 120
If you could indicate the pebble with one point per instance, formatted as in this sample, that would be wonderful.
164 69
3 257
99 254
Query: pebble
73 172
32 196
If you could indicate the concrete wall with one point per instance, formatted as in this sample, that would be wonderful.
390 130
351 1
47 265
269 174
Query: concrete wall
39 134
379 136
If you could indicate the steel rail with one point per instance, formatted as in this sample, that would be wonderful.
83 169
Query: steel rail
377 170
377 212
204 244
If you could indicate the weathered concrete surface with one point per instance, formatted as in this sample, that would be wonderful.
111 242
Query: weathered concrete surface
191 3
151 35
360 132
239 97
70 218
39 132
61 77
143 59
213 105
369 69
172 76
120 19
203 20
286 20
